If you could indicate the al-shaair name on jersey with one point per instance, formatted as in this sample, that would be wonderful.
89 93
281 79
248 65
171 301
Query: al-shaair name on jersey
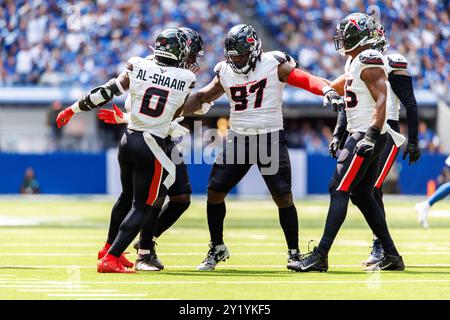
394 62
359 102
256 98
156 93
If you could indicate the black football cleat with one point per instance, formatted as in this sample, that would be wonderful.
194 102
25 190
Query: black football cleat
312 261
148 262
388 263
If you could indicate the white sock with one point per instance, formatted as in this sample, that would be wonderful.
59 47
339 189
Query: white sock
143 251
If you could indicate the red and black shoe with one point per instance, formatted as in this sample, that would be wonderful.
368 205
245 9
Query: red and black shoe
111 264
122 259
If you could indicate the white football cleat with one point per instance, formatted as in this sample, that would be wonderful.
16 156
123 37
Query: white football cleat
422 209
215 254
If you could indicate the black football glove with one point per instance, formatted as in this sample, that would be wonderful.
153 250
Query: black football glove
412 148
364 148
333 147
333 99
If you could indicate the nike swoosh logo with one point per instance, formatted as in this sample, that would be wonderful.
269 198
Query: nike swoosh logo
386 266
220 256
312 264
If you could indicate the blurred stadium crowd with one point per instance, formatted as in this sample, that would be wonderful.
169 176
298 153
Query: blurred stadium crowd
417 29
85 43
63 42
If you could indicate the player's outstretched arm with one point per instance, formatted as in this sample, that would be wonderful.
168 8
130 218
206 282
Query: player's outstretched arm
339 84
402 85
97 97
375 79
207 94
300 78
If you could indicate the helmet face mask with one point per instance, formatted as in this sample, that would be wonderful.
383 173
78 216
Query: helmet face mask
355 30
242 48
172 47
195 50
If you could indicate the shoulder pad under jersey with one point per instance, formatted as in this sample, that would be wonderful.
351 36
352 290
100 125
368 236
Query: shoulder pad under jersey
371 57
397 61
219 67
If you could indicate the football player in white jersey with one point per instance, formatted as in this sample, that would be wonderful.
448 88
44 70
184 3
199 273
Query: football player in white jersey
158 89
253 82
401 90
367 93
180 192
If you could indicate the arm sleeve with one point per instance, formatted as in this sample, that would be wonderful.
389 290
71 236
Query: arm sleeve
305 80
341 125
403 88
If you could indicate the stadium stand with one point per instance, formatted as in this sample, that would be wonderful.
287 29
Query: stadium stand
59 43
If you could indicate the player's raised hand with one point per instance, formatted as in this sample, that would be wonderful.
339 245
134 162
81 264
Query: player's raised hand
114 116
176 130
412 148
64 117
333 147
333 99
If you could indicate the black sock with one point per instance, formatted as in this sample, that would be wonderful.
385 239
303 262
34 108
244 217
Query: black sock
130 227
374 216
289 224
216 215
118 214
335 217
146 236
170 213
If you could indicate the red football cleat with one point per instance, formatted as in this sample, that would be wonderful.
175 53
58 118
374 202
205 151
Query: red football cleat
124 261
111 264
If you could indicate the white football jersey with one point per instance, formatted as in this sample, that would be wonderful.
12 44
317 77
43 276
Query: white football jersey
255 98
394 62
359 102
156 92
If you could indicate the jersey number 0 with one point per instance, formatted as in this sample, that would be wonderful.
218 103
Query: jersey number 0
160 105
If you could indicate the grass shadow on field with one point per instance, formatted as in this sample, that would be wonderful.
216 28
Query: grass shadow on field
228 273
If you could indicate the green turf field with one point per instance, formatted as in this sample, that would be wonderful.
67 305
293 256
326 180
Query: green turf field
52 255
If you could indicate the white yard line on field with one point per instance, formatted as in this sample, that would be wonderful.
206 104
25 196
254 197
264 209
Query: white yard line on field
69 290
97 295
335 281
251 282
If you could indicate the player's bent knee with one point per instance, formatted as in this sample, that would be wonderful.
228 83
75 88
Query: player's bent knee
158 202
215 197
283 200
355 200
181 198
126 197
